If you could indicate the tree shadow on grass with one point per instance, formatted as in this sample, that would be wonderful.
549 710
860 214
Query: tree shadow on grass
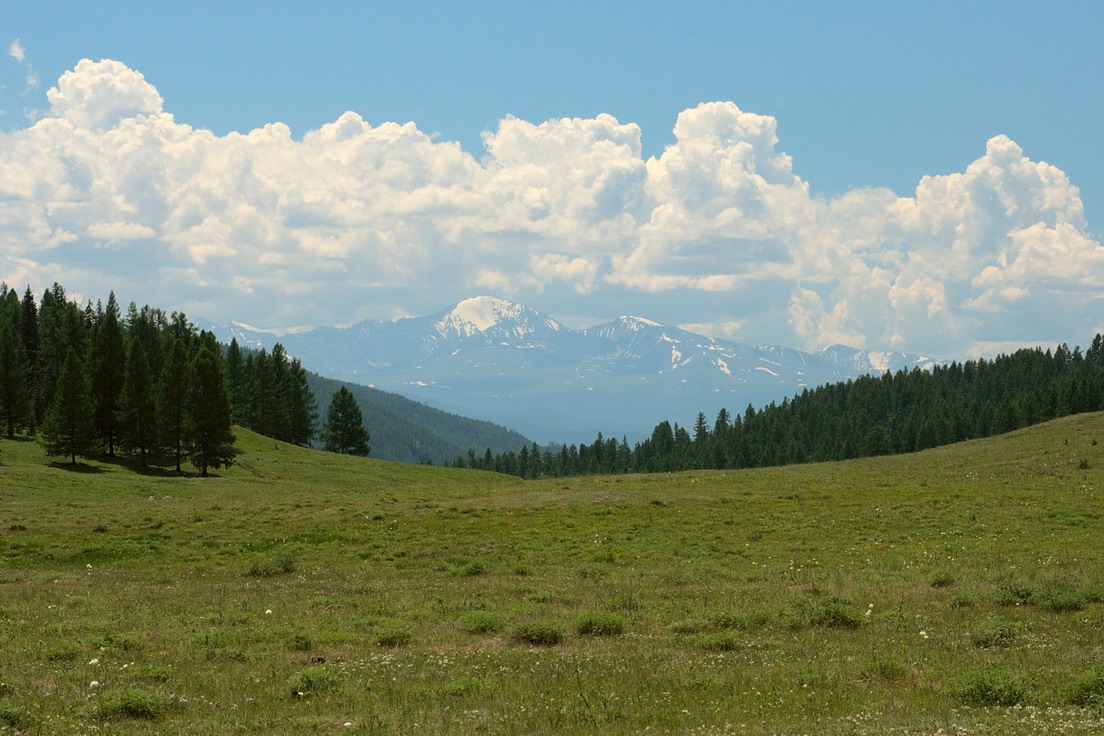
153 468
77 468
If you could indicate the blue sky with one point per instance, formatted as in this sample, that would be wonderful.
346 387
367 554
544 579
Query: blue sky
863 96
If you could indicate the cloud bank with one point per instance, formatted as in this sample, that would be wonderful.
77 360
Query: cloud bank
108 191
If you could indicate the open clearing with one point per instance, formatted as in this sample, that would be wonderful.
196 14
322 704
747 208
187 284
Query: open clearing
952 591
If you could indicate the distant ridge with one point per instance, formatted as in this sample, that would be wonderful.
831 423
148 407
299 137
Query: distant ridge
504 362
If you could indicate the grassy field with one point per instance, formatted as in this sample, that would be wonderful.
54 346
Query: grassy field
953 591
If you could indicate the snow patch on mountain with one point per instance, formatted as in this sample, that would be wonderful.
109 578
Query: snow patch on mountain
481 314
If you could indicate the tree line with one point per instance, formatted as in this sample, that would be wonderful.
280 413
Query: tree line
872 415
148 385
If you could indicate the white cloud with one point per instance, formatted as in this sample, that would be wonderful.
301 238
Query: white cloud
98 95
119 231
356 220
16 51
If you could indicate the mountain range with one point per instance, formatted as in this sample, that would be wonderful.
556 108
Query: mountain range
497 360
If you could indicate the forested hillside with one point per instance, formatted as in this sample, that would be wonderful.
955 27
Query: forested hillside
409 431
132 389
873 415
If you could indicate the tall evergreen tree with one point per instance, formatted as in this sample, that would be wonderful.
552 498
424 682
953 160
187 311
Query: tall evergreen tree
28 316
137 405
210 440
67 427
61 326
344 430
172 401
302 407
106 363
14 403
238 380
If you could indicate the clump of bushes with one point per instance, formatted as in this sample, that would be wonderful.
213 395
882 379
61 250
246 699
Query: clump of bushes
538 633
599 623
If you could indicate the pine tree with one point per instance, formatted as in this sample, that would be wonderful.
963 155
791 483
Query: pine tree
237 377
106 362
344 431
172 401
14 403
210 440
137 405
302 407
67 427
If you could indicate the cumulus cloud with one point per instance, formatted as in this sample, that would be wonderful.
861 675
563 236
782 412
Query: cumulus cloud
108 191
16 51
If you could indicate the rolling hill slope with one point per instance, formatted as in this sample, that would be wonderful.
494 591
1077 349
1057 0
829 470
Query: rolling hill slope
301 592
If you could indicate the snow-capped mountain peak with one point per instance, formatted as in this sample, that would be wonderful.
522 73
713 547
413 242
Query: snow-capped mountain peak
482 314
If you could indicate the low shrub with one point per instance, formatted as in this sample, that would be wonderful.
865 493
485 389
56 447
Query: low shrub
692 626
962 600
394 637
1089 692
538 633
719 641
313 679
830 612
300 643
942 579
883 670
13 718
281 564
481 622
991 687
1062 595
994 633
136 703
474 568
599 623
1014 594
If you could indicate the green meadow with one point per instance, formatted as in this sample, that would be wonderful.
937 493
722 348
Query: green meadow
953 591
